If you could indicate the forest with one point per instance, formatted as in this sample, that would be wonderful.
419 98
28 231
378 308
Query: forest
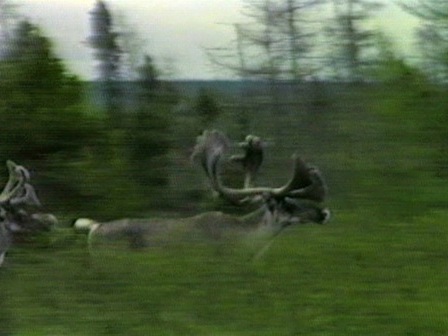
120 146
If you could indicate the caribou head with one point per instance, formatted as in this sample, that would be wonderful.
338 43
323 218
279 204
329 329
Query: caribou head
17 200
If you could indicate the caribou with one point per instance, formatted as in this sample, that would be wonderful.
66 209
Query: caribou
18 200
298 201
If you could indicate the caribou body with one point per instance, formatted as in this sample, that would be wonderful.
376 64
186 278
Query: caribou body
214 225
296 202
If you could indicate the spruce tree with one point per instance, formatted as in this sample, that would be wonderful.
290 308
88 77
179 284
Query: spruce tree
104 41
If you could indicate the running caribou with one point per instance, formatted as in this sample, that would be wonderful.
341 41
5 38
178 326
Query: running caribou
18 199
297 201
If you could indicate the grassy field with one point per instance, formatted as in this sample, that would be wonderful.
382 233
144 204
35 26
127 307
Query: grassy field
380 267
358 275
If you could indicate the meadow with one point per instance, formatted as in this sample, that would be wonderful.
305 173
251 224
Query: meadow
380 266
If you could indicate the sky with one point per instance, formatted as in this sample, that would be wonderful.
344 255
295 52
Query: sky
175 32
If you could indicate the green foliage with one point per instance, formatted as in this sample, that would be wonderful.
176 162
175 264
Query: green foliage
207 107
430 35
394 71
45 124
378 267
36 70
148 135
149 145
40 100
350 39
148 77
104 41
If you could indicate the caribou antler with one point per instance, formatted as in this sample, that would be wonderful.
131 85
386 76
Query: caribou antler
15 220
210 147
306 182
17 190
28 197
18 177
252 158
316 191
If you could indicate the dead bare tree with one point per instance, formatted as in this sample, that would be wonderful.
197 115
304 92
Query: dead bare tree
350 39
18 201
298 201
274 42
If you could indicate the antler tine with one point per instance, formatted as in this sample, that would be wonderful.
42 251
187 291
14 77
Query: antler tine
306 183
18 177
316 191
209 146
297 181
12 178
208 152
252 158
29 197
300 179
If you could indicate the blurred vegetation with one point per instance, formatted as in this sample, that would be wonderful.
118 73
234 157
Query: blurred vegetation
378 268
207 107
149 143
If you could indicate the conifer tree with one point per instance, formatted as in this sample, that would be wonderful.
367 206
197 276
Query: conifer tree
351 39
104 41
432 34
149 137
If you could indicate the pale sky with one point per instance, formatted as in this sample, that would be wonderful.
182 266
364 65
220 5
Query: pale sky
175 29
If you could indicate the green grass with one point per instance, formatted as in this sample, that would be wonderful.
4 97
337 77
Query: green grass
358 275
